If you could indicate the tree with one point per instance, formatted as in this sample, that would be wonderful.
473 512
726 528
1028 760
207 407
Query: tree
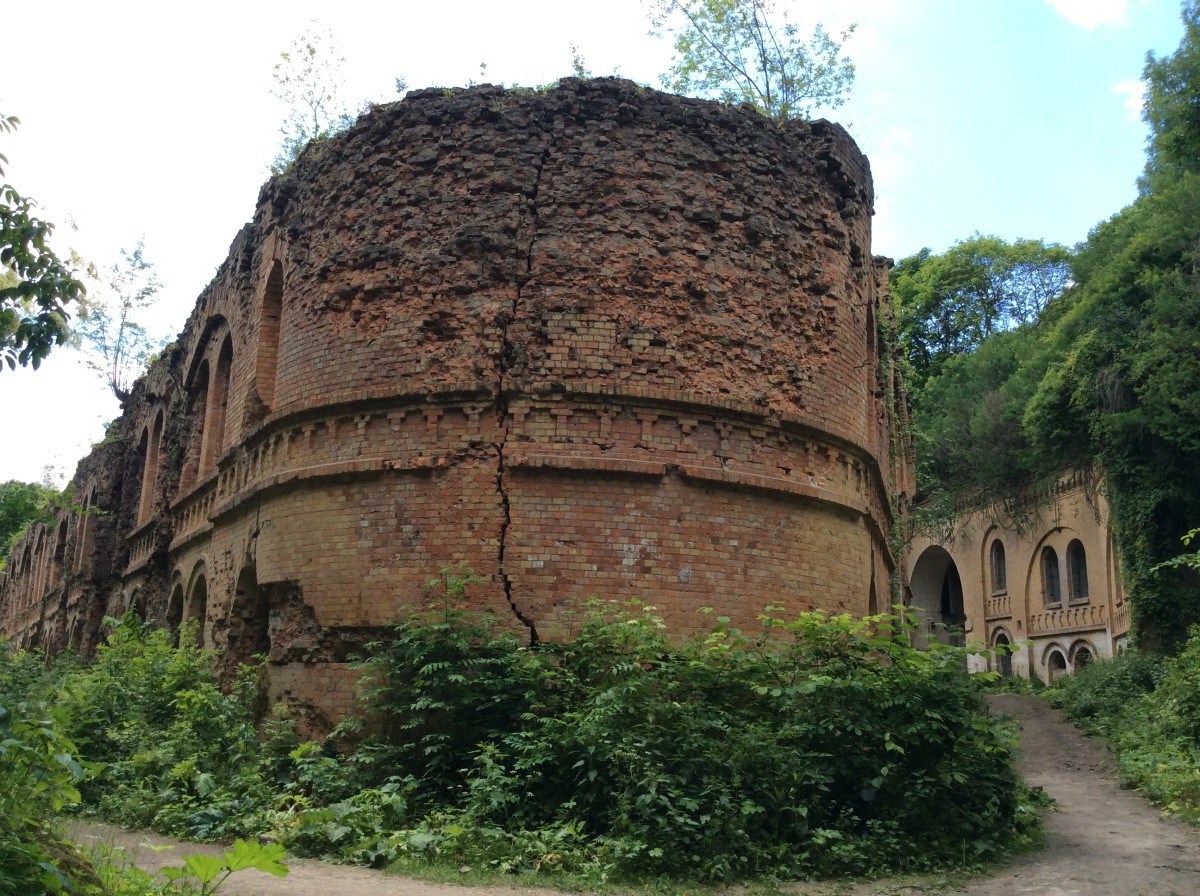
308 79
1171 110
35 286
121 345
948 304
21 505
743 51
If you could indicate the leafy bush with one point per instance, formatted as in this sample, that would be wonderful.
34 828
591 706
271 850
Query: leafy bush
1098 694
39 775
1150 709
173 752
824 745
821 745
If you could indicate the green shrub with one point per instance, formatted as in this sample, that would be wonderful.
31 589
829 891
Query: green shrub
39 775
1098 694
823 745
1150 710
173 751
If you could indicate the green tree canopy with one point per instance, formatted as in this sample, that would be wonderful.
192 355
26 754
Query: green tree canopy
1109 374
948 304
1171 109
21 505
35 286
746 51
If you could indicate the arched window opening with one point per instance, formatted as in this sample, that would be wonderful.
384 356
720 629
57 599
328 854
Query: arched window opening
87 532
25 571
151 443
60 552
270 315
999 572
872 599
213 442
41 563
1077 577
197 607
197 411
75 636
1051 583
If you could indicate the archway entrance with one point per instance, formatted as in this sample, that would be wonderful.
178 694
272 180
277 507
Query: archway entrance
1056 666
937 597
1003 657
1083 656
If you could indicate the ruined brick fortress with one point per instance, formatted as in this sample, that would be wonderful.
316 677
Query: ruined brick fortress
594 341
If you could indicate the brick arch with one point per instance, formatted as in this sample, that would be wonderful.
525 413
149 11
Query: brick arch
270 323
150 449
85 542
937 594
206 385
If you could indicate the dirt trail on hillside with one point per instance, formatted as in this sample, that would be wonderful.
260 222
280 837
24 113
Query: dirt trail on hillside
1100 840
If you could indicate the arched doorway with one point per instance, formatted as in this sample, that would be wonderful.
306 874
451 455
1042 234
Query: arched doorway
937 597
1056 665
1003 655
249 633
1083 656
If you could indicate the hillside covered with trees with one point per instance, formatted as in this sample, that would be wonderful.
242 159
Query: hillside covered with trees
1026 359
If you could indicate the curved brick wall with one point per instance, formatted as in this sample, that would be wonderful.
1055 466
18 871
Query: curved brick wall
597 341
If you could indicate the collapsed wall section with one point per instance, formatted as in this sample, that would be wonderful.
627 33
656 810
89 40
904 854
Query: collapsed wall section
598 341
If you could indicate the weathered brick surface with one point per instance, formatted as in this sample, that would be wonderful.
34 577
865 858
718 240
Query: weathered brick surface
598 341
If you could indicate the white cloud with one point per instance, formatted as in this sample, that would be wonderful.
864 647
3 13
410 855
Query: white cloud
1135 97
1090 14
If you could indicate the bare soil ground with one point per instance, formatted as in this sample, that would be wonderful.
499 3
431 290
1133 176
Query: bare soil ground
1101 840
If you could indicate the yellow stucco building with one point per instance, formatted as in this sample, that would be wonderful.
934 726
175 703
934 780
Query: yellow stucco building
1040 572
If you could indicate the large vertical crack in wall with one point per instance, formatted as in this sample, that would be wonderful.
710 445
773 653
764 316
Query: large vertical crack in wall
504 362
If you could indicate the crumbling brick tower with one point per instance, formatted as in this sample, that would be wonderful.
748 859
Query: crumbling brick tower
597 341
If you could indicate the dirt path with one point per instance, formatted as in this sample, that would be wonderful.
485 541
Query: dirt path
1101 840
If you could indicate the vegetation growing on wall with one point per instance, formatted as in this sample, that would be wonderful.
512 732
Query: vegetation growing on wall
746 51
1107 373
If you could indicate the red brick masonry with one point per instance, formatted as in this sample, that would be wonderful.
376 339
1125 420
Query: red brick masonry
597 341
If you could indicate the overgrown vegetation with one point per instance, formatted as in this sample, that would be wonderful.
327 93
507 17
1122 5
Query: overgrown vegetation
746 51
1104 374
1149 709
21 505
45 720
820 745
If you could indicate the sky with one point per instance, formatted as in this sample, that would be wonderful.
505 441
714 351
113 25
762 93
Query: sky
155 121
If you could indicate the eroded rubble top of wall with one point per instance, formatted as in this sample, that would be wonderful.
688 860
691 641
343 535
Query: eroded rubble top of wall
710 250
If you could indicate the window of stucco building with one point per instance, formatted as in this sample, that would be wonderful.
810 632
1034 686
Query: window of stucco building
1051 581
1077 578
999 573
